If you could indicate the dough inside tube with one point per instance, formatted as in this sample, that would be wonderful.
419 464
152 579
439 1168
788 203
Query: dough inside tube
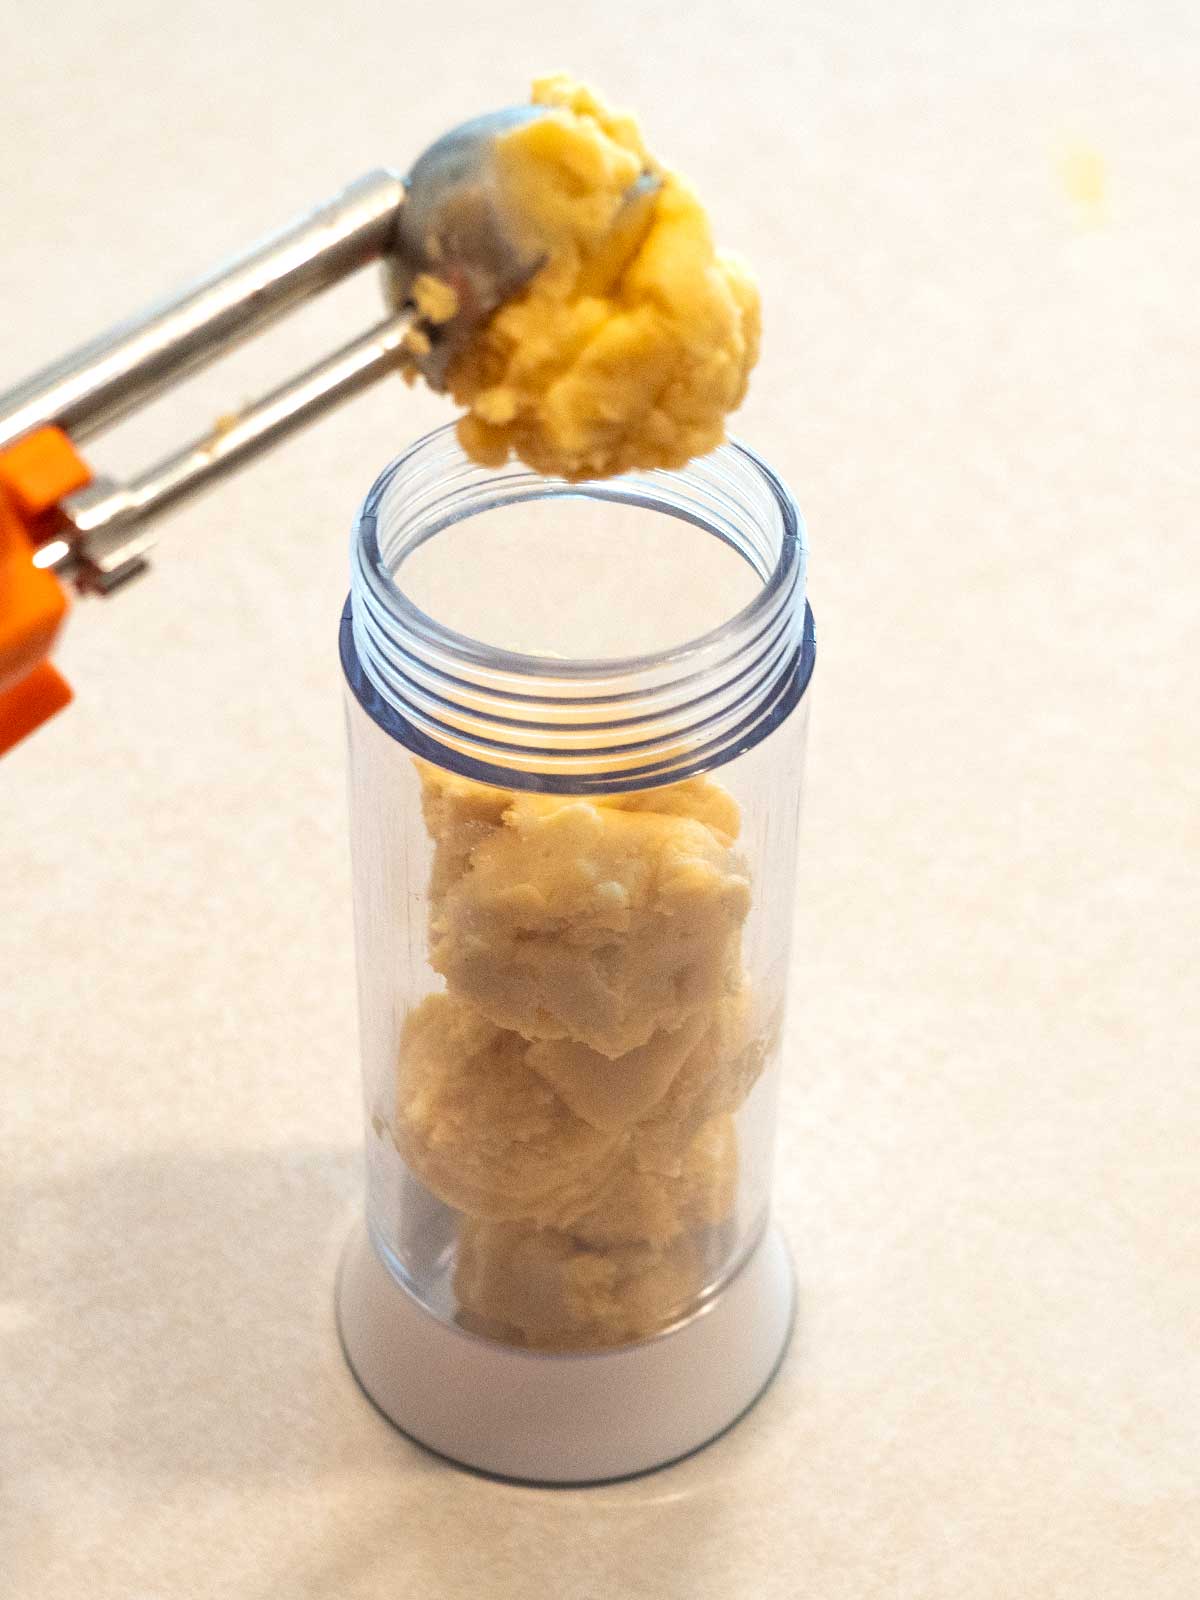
571 1093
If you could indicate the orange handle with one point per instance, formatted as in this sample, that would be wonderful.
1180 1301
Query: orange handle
35 474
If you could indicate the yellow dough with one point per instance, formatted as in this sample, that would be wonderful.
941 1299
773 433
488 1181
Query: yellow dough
632 343
715 1078
460 813
571 1094
481 1130
547 1290
612 1094
591 924
636 1207
698 798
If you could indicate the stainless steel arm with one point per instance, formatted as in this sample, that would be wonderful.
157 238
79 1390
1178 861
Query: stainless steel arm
118 371
446 217
111 520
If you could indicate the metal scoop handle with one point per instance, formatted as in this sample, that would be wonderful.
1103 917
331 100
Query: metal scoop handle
107 533
111 520
446 218
117 372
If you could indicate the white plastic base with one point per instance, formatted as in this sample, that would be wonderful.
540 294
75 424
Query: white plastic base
579 1417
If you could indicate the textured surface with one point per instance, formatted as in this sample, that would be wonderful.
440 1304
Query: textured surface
988 405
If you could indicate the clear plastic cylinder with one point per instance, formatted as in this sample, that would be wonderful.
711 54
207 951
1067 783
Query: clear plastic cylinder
574 890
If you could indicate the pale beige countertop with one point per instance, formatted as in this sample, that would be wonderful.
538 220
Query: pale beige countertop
987 404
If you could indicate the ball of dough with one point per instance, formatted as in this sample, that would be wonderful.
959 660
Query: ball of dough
591 924
636 1207
459 815
712 1081
702 799
613 1093
482 1131
545 1289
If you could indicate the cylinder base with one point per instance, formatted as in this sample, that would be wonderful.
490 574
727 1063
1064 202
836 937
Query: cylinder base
579 1417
